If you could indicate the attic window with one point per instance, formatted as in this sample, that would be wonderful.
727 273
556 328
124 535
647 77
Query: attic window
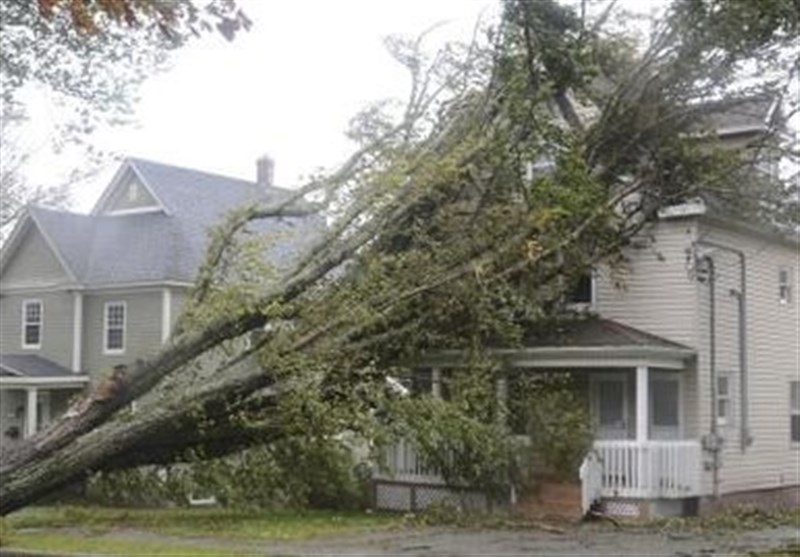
133 191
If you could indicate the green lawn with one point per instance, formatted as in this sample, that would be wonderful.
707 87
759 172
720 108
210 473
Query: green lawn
791 551
98 529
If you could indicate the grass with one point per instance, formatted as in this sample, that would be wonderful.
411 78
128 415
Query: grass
100 529
735 519
790 551
60 544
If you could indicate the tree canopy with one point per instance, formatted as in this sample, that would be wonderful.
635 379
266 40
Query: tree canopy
517 163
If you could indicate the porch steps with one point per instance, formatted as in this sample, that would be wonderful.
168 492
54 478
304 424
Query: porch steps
552 500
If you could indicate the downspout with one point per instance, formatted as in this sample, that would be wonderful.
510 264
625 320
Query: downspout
745 440
712 365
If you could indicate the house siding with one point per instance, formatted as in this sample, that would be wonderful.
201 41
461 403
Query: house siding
33 264
56 339
653 291
142 328
773 330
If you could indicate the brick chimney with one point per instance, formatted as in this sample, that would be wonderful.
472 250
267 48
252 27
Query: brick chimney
265 171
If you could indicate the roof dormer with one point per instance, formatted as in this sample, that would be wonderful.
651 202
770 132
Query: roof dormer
128 194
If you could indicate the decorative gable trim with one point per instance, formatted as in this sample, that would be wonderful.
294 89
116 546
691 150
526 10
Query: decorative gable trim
17 233
127 167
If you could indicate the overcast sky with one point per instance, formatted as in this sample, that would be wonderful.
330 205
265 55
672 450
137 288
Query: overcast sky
287 88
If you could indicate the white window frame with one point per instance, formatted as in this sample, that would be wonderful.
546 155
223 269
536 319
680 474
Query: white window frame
794 409
723 420
25 324
785 286
106 307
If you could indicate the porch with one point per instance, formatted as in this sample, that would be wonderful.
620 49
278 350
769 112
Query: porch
33 391
636 386
624 469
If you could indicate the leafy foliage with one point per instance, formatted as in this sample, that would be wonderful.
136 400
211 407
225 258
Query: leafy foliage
457 226
291 473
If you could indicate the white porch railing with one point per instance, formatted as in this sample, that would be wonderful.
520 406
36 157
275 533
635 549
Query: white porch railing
402 464
649 469
618 468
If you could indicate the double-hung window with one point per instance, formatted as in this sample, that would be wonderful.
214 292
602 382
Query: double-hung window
114 328
794 412
32 320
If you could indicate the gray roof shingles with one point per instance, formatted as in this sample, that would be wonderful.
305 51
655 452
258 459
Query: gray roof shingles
595 332
158 246
30 365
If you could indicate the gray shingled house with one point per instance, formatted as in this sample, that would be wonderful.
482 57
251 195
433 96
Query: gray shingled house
80 294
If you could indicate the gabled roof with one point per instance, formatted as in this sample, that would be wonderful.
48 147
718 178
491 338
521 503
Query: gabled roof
169 245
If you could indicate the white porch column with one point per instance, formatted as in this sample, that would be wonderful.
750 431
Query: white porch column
436 382
77 330
30 411
643 481
642 403
166 314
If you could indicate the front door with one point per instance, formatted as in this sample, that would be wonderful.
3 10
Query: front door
611 407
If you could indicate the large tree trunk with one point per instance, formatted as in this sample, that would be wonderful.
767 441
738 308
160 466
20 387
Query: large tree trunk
156 432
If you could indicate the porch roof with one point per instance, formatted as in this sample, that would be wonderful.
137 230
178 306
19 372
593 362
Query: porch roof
590 342
30 369
594 331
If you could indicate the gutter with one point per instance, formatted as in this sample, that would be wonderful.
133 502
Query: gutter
52 382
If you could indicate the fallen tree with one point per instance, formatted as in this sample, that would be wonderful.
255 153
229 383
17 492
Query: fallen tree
443 233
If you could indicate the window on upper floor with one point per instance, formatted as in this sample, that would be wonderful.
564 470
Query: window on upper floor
784 285
32 320
723 399
582 292
114 328
794 411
